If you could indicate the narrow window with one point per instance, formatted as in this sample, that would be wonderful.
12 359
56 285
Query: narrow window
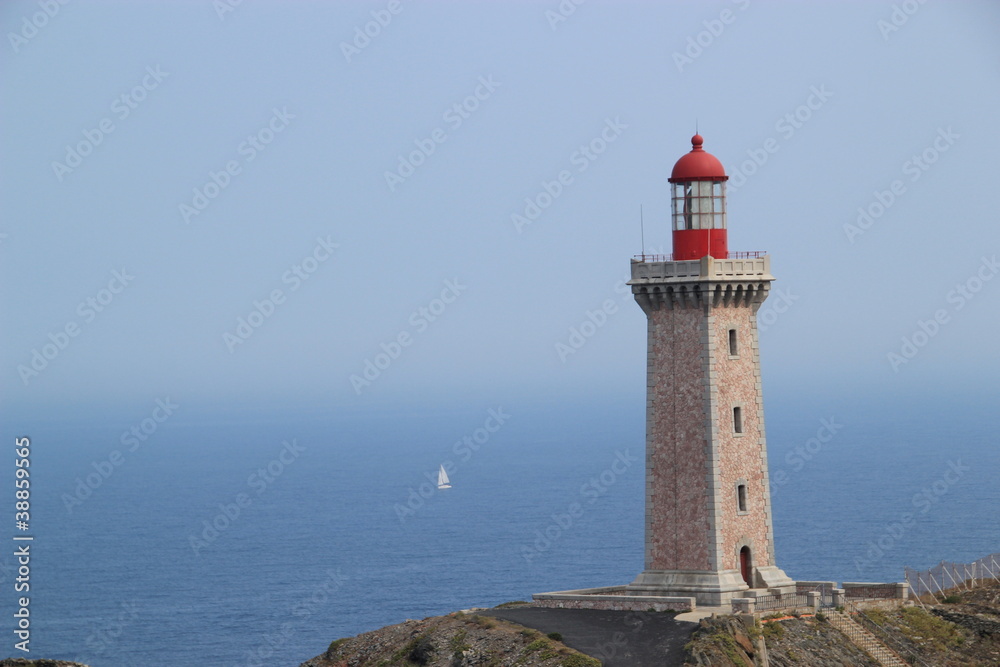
733 349
737 420
741 497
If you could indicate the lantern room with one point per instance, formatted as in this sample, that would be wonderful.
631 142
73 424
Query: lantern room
699 205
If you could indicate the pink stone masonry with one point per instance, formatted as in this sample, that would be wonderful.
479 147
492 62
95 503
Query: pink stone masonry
742 457
677 519
695 459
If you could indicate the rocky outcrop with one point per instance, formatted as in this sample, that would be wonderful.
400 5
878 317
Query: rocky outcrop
456 640
729 641
981 624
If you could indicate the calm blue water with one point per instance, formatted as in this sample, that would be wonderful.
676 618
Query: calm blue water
320 551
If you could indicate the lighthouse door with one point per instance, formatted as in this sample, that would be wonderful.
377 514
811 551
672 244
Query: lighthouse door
745 565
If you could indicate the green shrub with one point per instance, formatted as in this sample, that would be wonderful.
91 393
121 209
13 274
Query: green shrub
580 661
536 645
940 633
554 635
457 643
773 631
336 644
878 616
422 651
484 621
418 651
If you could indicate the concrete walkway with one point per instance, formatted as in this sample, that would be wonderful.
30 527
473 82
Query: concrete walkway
616 638
703 612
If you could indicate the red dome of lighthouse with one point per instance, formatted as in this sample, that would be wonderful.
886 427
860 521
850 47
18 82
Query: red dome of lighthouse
698 165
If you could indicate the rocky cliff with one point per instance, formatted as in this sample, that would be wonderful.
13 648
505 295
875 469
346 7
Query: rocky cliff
455 640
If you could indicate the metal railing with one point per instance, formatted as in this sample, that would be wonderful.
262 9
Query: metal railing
905 653
781 602
870 591
753 254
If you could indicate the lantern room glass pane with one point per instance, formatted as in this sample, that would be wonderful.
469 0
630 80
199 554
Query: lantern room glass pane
699 205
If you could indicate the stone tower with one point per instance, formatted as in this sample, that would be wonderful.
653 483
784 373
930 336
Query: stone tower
708 530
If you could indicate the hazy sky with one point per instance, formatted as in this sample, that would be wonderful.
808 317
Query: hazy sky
167 166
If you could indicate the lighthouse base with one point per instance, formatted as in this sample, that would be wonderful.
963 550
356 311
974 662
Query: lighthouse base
711 589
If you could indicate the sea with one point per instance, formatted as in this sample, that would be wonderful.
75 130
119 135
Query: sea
168 533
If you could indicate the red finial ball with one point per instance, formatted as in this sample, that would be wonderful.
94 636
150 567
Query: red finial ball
696 142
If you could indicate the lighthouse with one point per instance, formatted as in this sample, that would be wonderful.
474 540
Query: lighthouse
708 528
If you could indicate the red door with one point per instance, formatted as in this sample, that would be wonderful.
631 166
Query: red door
745 566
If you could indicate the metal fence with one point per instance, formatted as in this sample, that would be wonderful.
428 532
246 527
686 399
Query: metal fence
780 602
870 591
946 576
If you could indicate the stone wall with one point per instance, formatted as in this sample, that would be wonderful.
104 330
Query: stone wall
620 604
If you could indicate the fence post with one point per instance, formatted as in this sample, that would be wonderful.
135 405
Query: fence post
934 581
814 600
903 590
838 597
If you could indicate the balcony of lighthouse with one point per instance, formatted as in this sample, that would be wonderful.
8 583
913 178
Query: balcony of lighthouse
735 266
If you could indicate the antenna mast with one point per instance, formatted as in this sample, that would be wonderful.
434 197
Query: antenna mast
642 230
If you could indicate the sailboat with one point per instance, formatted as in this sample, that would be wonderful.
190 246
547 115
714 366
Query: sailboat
443 481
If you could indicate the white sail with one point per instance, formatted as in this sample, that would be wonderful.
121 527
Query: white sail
443 481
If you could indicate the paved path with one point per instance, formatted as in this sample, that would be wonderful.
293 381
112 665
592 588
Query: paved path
703 612
616 638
